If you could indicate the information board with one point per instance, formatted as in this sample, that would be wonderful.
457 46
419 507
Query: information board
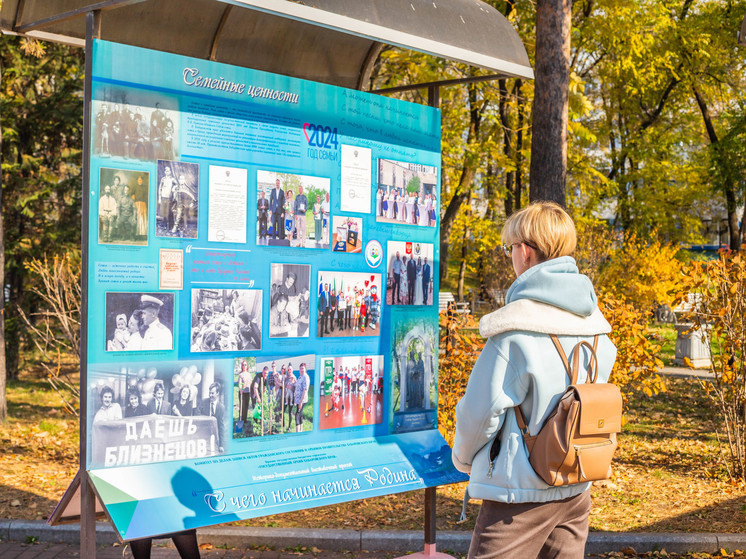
264 260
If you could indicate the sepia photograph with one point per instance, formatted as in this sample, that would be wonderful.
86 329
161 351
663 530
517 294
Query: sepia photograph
351 391
130 130
273 397
292 210
409 279
348 304
123 207
226 320
139 321
407 193
177 199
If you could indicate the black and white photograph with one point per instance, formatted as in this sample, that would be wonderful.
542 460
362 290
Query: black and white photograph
410 275
177 199
155 399
226 320
407 193
290 300
292 210
127 128
123 207
348 304
139 321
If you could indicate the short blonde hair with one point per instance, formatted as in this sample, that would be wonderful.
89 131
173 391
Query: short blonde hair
546 226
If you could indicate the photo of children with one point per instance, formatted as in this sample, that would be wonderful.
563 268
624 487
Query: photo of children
347 234
292 210
414 372
290 300
123 207
273 397
407 193
409 279
177 199
139 321
226 320
133 131
348 304
155 398
351 391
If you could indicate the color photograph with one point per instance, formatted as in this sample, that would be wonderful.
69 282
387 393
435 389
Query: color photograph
409 279
351 391
273 397
177 199
123 207
290 300
348 304
139 321
292 210
226 320
414 373
407 193
347 234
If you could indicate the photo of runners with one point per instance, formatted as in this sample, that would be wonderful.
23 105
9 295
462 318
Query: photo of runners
273 397
407 193
123 207
347 234
348 304
139 321
177 199
292 210
409 279
290 300
226 320
351 391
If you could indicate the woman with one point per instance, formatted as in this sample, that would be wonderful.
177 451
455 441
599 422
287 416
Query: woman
134 407
134 325
184 404
418 294
521 516
318 219
301 396
289 220
109 410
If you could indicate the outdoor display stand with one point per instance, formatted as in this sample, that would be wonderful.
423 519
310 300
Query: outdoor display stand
261 258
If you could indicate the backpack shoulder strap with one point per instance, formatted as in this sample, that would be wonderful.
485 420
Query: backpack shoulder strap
592 371
573 374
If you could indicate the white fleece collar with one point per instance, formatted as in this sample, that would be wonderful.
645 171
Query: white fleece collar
532 316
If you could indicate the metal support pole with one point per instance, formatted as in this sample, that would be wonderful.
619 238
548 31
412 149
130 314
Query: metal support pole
87 496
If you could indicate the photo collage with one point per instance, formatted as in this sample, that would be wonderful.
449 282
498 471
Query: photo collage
292 280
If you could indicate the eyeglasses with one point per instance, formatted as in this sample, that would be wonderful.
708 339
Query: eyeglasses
508 249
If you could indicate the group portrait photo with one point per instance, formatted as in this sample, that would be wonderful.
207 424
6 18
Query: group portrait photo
292 210
407 193
348 304
410 274
123 207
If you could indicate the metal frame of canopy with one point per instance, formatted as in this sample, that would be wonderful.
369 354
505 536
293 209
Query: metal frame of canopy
329 41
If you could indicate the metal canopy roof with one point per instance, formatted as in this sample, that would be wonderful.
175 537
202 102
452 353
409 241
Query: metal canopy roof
329 41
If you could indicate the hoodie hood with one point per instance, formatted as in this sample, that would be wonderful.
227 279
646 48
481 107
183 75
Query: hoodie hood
556 282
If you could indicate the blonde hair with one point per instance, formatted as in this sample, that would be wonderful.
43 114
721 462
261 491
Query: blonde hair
544 225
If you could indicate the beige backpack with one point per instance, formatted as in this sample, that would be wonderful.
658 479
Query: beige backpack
577 442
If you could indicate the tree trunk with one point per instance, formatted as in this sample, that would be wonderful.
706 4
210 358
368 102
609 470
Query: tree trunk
3 372
551 94
464 254
518 192
727 183
463 188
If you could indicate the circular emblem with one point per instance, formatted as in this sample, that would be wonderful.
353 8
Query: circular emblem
373 253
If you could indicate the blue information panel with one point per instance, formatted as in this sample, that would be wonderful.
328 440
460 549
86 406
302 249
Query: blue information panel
263 264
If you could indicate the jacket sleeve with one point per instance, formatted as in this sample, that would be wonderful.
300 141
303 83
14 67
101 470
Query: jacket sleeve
494 387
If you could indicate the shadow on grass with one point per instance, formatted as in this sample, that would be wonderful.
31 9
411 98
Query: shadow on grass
24 505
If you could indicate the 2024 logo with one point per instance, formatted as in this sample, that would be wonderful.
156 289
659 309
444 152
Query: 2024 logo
320 136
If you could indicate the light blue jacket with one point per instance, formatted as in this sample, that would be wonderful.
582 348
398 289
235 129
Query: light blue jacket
520 365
